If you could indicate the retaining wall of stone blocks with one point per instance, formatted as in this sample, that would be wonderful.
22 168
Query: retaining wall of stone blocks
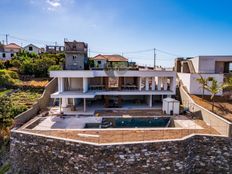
32 153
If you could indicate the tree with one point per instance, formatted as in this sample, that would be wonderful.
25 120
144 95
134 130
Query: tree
214 88
6 119
228 82
203 82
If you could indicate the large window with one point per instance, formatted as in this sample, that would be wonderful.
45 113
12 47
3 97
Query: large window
30 48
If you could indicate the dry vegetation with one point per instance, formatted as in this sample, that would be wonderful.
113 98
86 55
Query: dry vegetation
223 106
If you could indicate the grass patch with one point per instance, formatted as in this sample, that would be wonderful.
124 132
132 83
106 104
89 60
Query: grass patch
3 92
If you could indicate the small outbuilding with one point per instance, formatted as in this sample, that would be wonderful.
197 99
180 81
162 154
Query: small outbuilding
171 106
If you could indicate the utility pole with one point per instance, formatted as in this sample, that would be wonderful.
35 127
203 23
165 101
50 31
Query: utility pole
154 59
7 38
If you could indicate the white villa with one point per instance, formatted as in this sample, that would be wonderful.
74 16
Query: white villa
89 90
188 70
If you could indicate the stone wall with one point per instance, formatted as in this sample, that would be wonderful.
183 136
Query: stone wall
196 154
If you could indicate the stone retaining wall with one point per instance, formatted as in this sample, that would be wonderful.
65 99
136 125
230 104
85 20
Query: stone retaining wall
196 154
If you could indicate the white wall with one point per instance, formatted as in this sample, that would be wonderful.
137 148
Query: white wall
206 64
195 62
35 50
101 65
7 55
193 87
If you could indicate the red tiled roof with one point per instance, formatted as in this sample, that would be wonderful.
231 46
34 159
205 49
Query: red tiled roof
111 58
12 46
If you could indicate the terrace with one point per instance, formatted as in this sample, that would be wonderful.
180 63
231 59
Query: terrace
72 127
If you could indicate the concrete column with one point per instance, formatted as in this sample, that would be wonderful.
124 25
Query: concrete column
62 84
140 83
64 102
172 84
150 101
73 101
153 84
165 83
58 84
85 84
84 105
159 83
147 84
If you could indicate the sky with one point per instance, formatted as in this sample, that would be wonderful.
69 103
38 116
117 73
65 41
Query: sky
132 28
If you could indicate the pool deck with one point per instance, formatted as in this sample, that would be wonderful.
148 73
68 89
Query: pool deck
72 128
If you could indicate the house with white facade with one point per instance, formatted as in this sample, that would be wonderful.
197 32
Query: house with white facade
31 48
102 61
8 51
81 90
188 70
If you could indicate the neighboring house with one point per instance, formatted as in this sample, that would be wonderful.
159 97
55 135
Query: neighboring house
8 51
32 49
101 61
54 49
190 69
76 57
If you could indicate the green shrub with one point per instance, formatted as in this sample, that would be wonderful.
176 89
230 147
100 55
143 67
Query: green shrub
18 109
7 78
2 66
13 74
27 68
54 68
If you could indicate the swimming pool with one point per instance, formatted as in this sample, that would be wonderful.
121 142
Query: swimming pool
138 122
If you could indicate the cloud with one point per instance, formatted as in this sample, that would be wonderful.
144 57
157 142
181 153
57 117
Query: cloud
53 4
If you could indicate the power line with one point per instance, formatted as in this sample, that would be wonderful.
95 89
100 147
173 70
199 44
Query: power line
139 51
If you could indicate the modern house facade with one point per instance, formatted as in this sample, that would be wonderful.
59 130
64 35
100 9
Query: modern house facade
128 89
190 69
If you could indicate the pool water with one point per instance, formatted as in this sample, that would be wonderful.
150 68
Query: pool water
135 122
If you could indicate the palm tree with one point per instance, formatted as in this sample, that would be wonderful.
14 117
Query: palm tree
228 82
203 82
214 88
